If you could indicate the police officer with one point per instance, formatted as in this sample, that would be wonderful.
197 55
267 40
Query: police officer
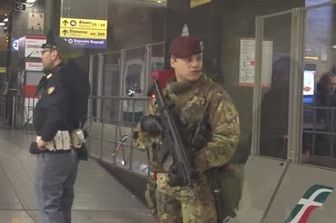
59 112
196 99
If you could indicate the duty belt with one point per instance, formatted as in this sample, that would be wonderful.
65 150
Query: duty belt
61 141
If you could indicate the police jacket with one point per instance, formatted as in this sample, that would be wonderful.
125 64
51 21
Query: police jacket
63 101
77 83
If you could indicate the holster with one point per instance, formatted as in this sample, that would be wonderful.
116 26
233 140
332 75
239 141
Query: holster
82 152
77 138
33 148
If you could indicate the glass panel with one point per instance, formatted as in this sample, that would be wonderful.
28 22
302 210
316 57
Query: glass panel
111 86
133 84
275 86
319 100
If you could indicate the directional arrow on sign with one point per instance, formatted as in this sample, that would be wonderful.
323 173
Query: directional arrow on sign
65 32
65 22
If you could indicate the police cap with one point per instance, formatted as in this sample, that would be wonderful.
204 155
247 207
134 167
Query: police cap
185 46
55 42
63 47
48 46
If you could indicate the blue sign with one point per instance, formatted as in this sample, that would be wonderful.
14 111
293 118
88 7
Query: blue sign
15 45
87 43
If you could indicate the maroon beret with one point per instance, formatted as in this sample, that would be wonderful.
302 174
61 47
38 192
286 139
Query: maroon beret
185 46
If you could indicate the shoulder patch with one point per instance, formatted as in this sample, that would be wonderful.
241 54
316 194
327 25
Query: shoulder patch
51 90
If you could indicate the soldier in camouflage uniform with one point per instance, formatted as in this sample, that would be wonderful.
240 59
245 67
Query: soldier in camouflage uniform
195 97
166 207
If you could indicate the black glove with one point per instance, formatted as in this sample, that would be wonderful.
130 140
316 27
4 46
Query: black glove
33 148
151 124
175 178
201 136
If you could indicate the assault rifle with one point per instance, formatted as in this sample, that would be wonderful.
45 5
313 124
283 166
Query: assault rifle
172 139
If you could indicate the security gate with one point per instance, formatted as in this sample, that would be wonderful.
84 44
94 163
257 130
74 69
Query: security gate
286 126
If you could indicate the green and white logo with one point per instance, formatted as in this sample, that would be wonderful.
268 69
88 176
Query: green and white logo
313 198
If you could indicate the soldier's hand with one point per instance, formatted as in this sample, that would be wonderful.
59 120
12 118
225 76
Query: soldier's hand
42 145
151 125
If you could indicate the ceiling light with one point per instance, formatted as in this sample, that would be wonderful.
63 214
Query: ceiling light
28 5
5 20
158 1
31 1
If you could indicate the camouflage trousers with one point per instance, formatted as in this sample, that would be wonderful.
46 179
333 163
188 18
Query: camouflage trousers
197 204
168 208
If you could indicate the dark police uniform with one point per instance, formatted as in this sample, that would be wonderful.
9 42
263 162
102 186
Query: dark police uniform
61 108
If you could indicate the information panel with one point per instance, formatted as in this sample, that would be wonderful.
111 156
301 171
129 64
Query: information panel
83 28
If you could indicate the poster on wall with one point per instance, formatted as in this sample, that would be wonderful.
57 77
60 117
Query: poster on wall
32 46
33 66
195 3
247 63
36 22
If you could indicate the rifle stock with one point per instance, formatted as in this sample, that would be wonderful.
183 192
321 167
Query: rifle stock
183 159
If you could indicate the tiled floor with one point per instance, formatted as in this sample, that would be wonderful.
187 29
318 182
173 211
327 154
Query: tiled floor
99 197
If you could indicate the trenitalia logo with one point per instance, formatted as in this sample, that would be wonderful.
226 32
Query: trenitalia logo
314 197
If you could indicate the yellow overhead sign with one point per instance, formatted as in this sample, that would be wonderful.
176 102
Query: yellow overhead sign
3 70
84 23
83 28
195 3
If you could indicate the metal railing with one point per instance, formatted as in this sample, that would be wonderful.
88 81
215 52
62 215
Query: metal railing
319 130
110 131
111 134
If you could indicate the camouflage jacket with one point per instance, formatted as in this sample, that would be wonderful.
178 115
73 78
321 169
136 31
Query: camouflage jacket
190 100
